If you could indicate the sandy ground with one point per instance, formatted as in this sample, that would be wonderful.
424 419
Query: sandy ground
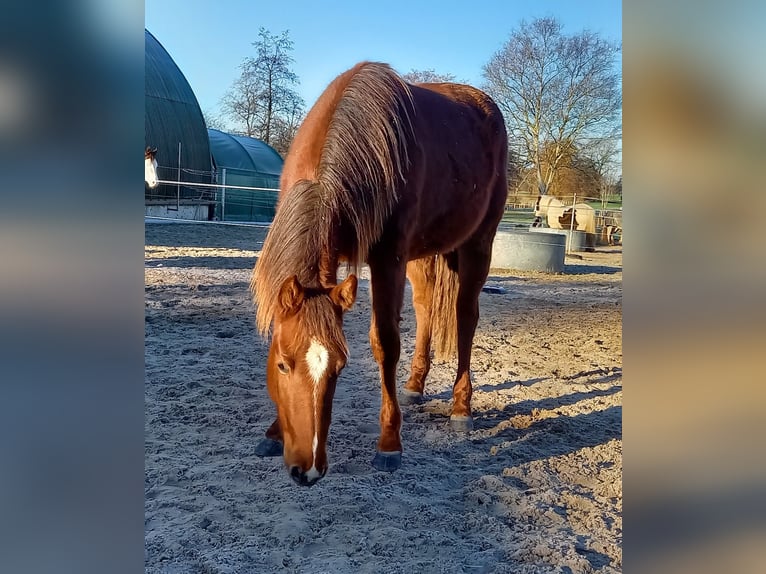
536 487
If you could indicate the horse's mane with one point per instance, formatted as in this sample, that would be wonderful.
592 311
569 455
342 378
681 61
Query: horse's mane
293 237
363 162
364 158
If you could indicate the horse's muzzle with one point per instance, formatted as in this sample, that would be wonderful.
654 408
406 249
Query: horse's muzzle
309 478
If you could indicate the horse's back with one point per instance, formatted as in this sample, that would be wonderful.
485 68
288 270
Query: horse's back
466 95
425 163
460 175
466 113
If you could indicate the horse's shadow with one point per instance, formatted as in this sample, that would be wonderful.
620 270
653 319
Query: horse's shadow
510 384
207 262
577 269
446 395
608 377
500 445
486 419
201 235
584 429
554 436
565 433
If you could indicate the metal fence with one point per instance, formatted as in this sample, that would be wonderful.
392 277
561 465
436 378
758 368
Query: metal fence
214 196
221 201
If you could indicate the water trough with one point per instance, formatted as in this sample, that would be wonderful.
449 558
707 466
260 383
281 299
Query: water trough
529 249
575 240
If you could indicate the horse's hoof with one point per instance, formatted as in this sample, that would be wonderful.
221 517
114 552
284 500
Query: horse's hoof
461 423
408 397
269 447
387 461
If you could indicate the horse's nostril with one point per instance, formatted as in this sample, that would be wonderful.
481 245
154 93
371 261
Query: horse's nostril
302 478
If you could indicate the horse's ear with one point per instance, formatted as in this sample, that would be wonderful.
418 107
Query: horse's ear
344 294
290 297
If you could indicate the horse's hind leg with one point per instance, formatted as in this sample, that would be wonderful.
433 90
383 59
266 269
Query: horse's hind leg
387 279
473 267
421 274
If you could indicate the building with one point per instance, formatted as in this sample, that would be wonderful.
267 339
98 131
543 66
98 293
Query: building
247 162
175 126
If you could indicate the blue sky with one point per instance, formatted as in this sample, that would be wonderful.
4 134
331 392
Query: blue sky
208 40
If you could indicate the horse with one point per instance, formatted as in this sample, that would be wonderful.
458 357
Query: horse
150 166
560 216
411 180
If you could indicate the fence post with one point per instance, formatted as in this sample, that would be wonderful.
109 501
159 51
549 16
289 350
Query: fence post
571 224
223 194
178 179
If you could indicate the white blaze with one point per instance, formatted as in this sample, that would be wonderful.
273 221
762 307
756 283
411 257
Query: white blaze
313 473
150 172
316 358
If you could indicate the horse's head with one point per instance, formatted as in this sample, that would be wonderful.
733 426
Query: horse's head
308 351
150 167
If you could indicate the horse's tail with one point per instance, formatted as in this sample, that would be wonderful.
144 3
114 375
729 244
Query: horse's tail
444 308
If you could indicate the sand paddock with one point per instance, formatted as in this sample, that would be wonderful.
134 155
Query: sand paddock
536 487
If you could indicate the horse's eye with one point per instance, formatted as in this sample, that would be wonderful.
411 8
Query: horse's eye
283 368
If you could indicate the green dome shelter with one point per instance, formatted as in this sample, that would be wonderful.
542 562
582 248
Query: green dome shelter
247 162
173 123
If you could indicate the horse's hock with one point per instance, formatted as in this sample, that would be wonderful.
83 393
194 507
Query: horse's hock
531 249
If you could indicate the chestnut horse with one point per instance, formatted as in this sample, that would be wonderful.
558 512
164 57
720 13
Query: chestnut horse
411 179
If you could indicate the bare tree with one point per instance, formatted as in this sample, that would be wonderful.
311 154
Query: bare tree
556 91
214 120
263 101
576 174
285 127
426 76
602 155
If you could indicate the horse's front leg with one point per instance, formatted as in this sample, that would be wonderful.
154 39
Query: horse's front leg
387 280
272 445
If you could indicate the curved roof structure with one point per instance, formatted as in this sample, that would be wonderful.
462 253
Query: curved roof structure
247 162
242 152
173 115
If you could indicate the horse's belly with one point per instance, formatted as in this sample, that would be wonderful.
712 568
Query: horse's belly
442 235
